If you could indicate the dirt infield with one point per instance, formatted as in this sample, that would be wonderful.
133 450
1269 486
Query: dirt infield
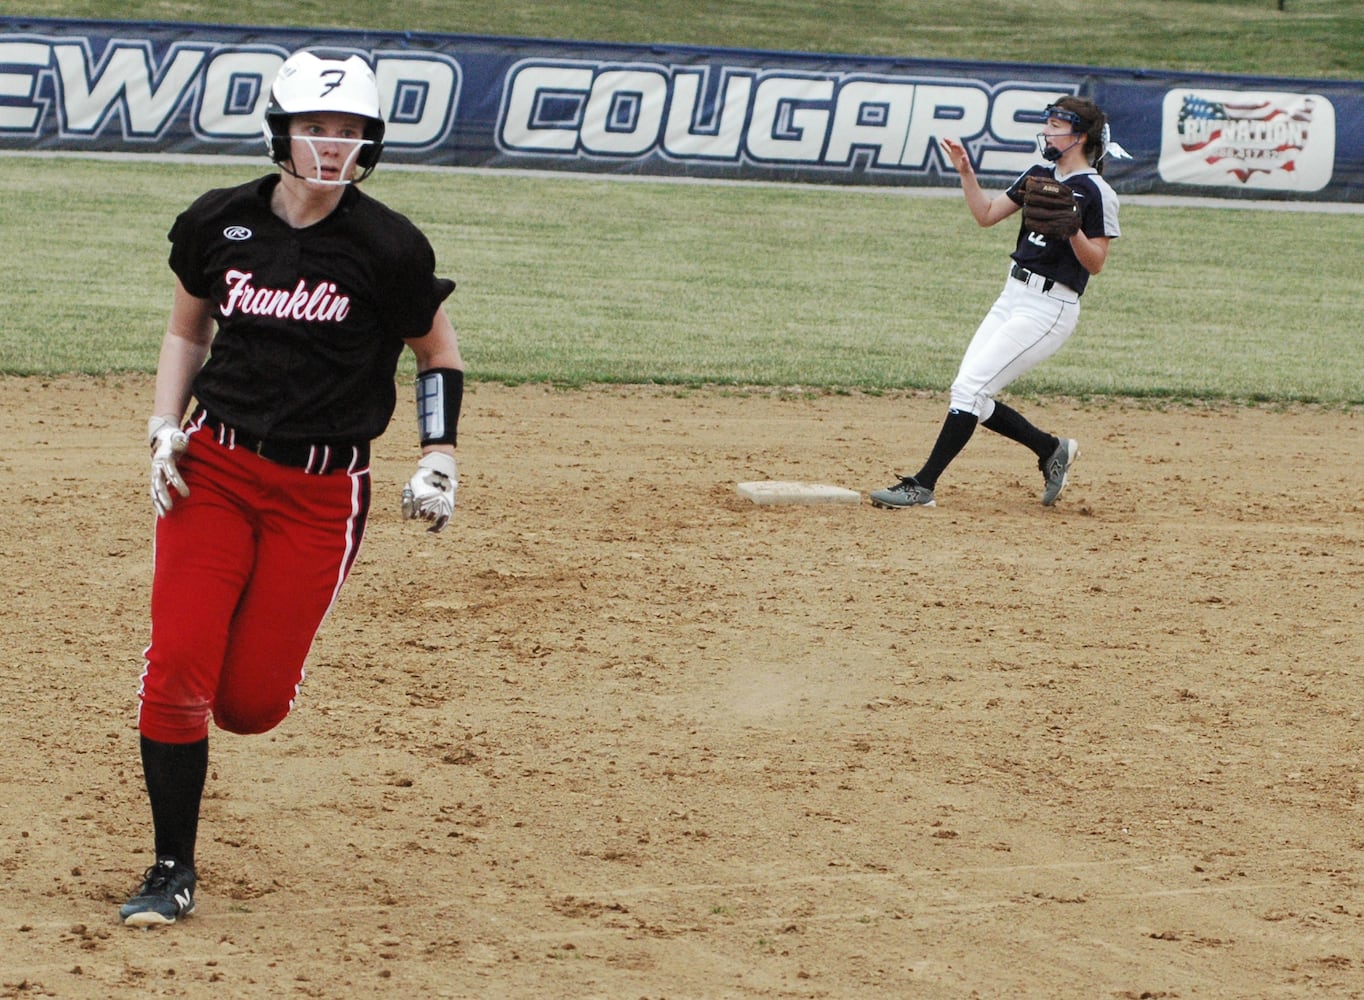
619 732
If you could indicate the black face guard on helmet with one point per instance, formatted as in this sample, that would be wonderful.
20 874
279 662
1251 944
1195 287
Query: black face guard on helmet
1077 127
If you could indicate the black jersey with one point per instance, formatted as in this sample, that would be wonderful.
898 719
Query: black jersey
1052 257
311 321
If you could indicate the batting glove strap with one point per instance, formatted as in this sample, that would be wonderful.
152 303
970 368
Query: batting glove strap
159 423
168 443
430 494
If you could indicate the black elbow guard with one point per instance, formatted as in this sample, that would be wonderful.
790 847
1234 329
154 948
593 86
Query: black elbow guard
440 392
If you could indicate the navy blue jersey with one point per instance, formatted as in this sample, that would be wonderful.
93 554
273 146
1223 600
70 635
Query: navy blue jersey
1053 257
311 321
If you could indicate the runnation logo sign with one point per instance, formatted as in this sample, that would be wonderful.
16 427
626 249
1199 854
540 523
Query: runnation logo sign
1249 140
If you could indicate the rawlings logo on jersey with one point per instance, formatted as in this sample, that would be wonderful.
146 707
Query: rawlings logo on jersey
319 303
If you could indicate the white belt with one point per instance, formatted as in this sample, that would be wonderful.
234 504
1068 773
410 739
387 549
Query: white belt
1041 282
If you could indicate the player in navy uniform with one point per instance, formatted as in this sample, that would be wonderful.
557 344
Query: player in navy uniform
295 295
1037 311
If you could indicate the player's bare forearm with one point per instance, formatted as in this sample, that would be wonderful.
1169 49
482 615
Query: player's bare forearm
179 361
189 332
976 199
1091 252
986 210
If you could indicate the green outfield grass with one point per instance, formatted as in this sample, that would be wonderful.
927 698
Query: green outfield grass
579 280
1306 38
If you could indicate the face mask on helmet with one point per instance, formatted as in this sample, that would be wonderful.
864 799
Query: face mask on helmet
306 83
1077 127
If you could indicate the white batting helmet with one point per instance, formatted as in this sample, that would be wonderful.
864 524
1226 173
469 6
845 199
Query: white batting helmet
308 83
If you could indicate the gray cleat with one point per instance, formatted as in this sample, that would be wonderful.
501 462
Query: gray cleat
1057 469
905 493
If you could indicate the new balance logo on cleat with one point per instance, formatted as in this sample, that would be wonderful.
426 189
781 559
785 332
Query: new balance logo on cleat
166 894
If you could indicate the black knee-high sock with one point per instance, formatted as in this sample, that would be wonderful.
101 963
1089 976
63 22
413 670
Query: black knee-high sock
175 775
1014 426
956 431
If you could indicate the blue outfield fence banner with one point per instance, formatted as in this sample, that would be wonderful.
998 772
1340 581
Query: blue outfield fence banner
666 110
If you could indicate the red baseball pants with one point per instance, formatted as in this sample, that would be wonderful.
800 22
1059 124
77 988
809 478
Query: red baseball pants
245 570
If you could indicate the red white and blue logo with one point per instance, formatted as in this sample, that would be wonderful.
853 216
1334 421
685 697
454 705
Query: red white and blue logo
1279 142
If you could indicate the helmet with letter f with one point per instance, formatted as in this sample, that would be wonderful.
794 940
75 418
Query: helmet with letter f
307 83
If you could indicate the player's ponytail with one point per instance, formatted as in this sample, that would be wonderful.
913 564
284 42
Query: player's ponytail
1094 146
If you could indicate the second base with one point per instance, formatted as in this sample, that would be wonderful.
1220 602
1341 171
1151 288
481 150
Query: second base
776 491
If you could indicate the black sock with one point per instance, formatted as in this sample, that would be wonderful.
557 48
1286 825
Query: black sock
956 431
175 775
1014 426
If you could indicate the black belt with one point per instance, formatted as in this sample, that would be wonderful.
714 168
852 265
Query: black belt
317 459
1023 275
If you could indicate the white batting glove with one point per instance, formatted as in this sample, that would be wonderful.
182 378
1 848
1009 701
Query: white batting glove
168 443
430 494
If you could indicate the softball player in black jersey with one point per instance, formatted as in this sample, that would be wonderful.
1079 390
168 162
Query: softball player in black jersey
295 295
1039 306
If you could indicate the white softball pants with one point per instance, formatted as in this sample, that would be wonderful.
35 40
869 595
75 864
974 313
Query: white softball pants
1023 328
